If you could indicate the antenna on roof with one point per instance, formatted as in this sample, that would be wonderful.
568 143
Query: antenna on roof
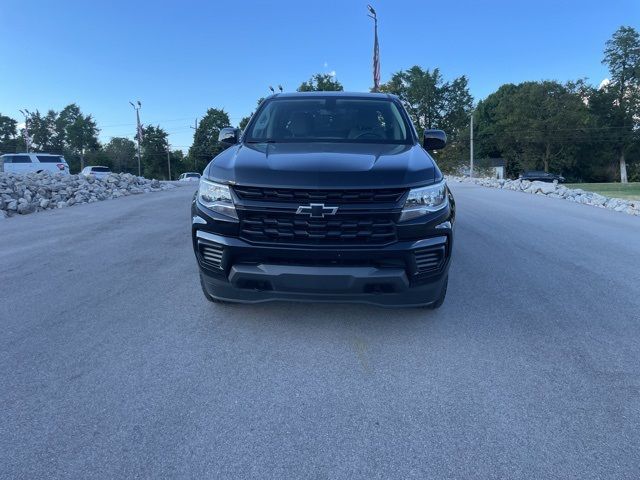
280 88
271 88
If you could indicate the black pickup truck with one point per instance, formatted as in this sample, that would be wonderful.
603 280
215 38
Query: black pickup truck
325 196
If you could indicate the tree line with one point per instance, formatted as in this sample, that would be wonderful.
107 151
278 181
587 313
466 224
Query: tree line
584 132
73 134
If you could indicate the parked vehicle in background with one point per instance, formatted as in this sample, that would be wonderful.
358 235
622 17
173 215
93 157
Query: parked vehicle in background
33 162
96 171
189 177
541 177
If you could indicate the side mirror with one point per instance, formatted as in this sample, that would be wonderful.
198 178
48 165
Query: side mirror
434 140
229 135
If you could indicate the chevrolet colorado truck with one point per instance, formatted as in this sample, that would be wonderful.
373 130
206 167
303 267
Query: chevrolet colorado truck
325 196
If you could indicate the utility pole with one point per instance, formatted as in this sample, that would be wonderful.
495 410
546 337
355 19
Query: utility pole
169 159
376 49
471 149
138 131
27 137
195 156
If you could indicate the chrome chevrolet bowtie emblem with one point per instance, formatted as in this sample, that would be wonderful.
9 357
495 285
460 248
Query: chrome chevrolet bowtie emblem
316 210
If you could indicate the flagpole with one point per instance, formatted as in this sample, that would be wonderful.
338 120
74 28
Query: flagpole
25 132
376 49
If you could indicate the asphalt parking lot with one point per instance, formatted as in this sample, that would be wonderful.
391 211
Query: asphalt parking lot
112 364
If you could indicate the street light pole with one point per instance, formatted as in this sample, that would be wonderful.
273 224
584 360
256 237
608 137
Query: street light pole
471 149
169 159
138 130
195 156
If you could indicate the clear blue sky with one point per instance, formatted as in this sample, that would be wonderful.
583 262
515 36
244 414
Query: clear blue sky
179 58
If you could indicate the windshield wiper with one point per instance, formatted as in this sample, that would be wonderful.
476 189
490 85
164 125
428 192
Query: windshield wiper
261 141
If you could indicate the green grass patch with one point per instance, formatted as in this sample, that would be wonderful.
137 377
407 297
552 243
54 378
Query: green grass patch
627 191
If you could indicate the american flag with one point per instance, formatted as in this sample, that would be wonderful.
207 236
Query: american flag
376 60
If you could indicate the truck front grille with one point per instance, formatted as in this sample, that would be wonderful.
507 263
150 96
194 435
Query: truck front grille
294 229
378 195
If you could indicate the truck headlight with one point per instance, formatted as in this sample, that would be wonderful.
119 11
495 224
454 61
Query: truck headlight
216 197
424 200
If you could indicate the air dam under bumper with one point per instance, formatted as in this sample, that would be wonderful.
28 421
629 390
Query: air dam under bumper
264 282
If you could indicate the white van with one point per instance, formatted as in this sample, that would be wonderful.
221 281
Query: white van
96 171
33 162
189 177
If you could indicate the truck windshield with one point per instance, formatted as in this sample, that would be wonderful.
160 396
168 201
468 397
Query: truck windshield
329 119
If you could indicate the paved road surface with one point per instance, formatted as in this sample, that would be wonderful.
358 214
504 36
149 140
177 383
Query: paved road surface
112 365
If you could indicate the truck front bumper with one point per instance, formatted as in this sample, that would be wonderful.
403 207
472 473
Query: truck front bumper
394 275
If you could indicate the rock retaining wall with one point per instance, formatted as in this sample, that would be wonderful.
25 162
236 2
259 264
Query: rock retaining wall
32 192
554 190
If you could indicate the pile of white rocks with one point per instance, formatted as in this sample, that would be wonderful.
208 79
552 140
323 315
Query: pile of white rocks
33 192
554 190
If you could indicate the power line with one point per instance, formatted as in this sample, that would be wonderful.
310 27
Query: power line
579 129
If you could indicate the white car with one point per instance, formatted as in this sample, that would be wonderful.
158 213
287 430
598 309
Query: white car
189 177
33 162
96 171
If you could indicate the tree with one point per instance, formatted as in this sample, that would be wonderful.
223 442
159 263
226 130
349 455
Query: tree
97 157
432 102
44 134
617 105
179 163
245 120
79 131
154 152
8 132
121 153
205 139
533 125
321 82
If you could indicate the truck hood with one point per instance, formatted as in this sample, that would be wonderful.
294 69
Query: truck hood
324 165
